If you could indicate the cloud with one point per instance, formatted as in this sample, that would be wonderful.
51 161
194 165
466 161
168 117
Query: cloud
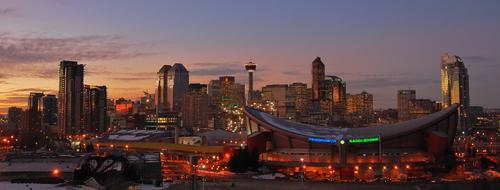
32 50
26 91
294 72
14 100
217 69
390 81
8 11
133 78
478 59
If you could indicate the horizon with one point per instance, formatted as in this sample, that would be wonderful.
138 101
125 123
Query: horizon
378 47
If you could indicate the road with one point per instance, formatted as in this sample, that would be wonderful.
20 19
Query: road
252 184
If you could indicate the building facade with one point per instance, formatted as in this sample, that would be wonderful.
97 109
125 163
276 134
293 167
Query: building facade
49 113
14 123
455 87
318 75
95 109
195 110
360 106
404 99
35 111
333 97
70 97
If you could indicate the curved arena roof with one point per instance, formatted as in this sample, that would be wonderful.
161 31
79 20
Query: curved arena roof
312 131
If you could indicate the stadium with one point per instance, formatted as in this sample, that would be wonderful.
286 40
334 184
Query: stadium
407 148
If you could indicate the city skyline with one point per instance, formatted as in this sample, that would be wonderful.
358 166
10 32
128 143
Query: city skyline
126 59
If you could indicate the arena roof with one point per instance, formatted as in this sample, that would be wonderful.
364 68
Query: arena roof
312 131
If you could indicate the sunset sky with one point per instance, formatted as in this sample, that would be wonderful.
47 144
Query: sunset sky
377 46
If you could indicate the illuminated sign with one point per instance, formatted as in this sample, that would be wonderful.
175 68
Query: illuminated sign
319 140
364 140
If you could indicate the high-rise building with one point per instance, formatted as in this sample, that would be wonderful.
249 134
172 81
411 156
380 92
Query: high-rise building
162 89
250 67
198 88
178 80
404 99
302 99
333 98
283 97
173 82
14 124
214 113
70 100
230 92
422 107
35 111
95 109
195 109
318 75
49 113
455 87
360 106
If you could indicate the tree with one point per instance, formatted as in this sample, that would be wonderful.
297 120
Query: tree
90 147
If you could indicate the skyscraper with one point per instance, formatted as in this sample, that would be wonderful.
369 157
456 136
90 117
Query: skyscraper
250 67
49 113
162 91
283 97
70 100
333 98
173 82
318 75
178 85
302 99
195 107
404 99
455 87
35 111
360 106
95 109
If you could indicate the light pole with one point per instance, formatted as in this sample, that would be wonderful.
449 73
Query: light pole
302 174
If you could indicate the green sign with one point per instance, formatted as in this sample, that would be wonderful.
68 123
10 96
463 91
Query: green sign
364 140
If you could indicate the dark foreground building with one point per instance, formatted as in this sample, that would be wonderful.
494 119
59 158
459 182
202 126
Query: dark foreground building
385 151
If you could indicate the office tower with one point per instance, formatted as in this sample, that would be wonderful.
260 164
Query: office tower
422 107
333 98
360 106
35 111
214 112
455 87
213 90
173 82
198 88
178 80
95 109
230 92
162 89
250 67
195 110
283 97
404 99
318 75
14 120
70 100
49 113
302 98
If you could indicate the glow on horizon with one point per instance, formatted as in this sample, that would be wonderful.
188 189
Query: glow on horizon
379 47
